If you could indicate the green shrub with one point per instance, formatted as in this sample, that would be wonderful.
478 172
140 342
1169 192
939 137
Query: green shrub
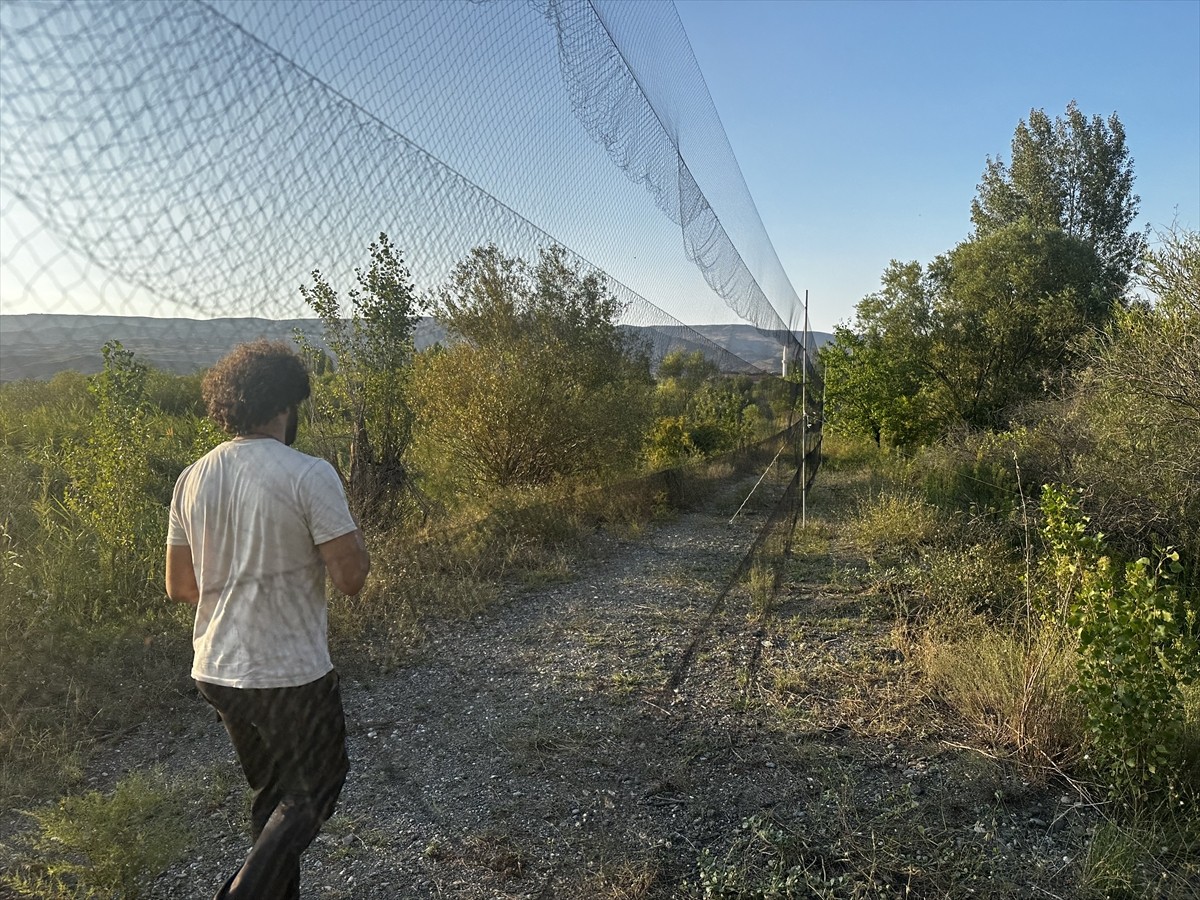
668 444
957 583
543 385
765 863
36 416
97 845
1134 652
848 452
970 472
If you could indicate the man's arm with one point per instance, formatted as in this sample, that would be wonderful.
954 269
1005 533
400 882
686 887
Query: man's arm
347 561
181 576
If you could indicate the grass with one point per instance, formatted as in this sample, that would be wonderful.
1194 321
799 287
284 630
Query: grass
842 850
1016 693
762 581
66 684
894 526
103 844
1142 857
947 584
537 744
620 879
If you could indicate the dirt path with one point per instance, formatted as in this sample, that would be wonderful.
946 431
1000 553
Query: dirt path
538 751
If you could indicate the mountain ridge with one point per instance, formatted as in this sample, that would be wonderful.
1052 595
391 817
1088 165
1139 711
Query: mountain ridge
39 345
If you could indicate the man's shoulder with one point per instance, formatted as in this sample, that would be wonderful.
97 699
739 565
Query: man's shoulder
298 460
302 468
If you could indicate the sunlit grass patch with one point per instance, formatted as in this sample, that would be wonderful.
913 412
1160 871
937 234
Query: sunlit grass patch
104 845
65 684
894 525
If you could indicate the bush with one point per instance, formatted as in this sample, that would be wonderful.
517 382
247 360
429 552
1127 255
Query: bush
40 416
1126 434
97 845
960 582
543 385
1134 652
892 527
971 471
668 444
83 620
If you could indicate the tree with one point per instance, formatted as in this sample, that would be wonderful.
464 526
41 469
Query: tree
1154 350
700 412
680 375
876 372
690 369
962 342
543 383
1075 174
1140 409
372 352
1009 307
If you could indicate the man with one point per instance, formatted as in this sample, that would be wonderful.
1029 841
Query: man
254 528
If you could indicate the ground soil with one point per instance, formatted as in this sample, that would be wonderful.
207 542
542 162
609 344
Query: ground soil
628 729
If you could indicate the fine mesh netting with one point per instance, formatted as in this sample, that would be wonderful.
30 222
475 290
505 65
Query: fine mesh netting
199 159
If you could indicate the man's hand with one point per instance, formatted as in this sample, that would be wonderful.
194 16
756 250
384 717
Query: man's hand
181 575
347 561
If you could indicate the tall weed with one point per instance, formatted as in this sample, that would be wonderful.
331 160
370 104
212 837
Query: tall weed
1017 691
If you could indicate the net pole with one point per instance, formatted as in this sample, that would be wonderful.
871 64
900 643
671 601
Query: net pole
804 423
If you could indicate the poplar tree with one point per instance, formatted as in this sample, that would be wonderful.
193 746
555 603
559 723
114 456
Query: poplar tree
1072 173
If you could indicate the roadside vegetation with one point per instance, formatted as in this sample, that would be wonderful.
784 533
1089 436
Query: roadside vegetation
468 464
1032 397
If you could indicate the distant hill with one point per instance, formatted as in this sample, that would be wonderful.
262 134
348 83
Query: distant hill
39 346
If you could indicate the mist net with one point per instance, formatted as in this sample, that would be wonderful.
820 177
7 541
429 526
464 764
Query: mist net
196 160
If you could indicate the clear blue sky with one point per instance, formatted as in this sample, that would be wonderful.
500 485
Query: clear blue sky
862 128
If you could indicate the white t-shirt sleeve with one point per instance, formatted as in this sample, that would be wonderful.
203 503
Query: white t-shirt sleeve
324 503
176 534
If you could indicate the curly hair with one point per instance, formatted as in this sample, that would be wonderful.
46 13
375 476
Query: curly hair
253 384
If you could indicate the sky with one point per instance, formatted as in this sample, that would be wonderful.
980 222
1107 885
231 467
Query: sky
862 128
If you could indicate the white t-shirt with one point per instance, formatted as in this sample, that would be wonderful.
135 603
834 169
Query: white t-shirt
252 511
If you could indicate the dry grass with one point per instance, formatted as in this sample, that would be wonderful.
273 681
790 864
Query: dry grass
622 879
892 526
1017 692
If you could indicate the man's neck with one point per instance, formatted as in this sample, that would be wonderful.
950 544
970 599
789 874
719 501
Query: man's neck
275 428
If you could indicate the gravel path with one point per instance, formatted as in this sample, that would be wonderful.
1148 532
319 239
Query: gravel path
534 751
